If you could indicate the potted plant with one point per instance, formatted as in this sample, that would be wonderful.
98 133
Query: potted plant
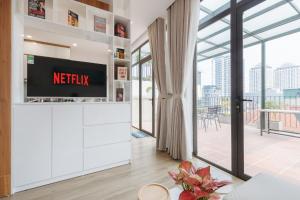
197 184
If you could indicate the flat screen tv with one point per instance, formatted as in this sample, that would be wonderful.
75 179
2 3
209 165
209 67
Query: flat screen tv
54 77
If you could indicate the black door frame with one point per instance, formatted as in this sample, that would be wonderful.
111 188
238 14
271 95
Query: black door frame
139 64
235 11
238 51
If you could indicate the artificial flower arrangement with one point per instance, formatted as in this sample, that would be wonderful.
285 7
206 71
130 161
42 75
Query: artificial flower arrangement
197 184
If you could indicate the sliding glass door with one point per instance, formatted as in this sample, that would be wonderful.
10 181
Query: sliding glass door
271 88
213 105
248 87
143 90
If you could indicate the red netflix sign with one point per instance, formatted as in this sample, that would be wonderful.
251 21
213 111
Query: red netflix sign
61 78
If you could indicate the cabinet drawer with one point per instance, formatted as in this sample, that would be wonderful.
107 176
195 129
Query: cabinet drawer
106 113
106 155
106 134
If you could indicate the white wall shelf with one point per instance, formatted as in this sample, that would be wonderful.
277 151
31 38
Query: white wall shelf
56 23
66 30
122 61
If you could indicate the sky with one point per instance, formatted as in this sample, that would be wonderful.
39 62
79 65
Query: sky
278 52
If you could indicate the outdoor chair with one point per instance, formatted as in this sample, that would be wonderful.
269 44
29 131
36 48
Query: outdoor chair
210 116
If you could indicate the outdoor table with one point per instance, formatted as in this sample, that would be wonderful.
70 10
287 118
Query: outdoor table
268 111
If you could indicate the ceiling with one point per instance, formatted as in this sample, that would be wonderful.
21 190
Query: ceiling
144 12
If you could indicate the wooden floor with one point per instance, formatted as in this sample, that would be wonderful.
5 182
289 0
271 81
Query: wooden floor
270 153
148 166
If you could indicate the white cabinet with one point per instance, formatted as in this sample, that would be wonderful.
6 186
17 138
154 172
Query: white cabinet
32 144
51 142
67 140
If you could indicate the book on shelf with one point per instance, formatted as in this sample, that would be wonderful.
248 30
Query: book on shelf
99 24
73 18
36 8
120 30
119 94
120 53
122 73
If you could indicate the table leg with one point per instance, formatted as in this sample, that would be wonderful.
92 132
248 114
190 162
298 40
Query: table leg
261 123
268 122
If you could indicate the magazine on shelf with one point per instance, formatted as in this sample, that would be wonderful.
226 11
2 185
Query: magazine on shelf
120 53
99 24
120 30
36 8
122 73
73 18
119 94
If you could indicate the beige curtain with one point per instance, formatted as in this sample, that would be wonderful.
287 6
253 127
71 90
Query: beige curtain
156 33
183 18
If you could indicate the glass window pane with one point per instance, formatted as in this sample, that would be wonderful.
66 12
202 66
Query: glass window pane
297 3
260 7
213 95
213 5
135 96
281 29
135 57
271 17
220 38
201 46
147 97
211 29
250 40
216 52
202 15
145 50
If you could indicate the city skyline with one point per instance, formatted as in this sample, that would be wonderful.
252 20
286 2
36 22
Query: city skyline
252 57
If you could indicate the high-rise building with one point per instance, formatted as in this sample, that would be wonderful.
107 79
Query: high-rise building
255 79
210 95
287 77
222 74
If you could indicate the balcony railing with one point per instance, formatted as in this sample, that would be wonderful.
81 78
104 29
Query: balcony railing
285 121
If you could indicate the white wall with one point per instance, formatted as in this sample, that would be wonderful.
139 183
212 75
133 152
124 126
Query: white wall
138 42
38 49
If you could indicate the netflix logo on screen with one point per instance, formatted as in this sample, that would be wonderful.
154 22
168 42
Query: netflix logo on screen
60 78
55 77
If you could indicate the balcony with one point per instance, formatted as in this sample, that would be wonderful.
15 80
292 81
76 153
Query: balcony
277 153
